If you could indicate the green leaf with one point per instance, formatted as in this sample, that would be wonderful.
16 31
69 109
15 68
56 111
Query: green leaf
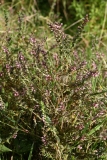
6 104
95 129
30 154
3 148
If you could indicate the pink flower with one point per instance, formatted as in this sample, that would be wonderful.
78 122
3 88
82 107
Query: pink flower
79 147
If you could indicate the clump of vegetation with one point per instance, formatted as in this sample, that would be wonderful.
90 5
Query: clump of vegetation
52 92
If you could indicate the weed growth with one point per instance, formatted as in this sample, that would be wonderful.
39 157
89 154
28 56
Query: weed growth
52 94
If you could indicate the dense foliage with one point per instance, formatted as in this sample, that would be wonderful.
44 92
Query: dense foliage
52 87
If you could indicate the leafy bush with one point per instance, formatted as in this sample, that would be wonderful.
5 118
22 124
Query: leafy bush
52 93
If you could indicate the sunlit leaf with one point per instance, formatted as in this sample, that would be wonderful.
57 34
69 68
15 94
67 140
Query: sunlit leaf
3 148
